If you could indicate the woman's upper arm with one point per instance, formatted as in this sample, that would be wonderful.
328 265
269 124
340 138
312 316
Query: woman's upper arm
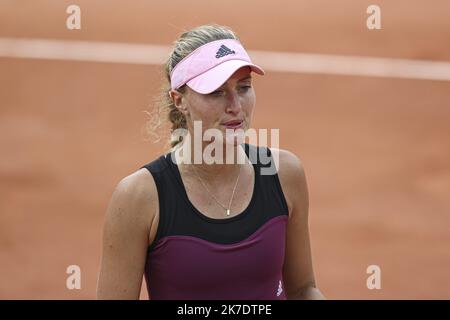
298 272
125 238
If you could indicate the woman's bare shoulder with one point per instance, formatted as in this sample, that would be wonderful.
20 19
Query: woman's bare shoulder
127 225
286 161
135 198
141 180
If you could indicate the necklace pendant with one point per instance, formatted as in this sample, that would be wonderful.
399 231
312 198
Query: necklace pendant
228 212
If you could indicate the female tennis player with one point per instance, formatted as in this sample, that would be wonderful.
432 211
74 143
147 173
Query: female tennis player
220 230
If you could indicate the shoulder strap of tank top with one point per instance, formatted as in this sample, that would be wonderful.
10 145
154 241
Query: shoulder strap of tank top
262 157
267 172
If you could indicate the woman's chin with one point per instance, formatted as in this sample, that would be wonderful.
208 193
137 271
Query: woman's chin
235 137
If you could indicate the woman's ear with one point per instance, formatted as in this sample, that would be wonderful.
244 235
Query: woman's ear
177 98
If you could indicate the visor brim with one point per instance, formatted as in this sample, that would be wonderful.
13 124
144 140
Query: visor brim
212 79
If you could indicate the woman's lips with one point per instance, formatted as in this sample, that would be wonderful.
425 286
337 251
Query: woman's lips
234 125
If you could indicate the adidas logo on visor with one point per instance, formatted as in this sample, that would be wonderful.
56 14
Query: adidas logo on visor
223 51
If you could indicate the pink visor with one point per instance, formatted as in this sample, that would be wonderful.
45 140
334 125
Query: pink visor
210 65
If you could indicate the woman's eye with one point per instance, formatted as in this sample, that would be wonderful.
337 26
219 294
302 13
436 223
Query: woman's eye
216 93
219 93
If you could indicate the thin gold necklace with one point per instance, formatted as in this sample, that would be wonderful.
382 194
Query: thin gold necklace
232 195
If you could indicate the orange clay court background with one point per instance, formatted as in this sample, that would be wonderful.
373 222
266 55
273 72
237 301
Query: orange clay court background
375 150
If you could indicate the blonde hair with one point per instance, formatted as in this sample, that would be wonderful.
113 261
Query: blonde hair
164 106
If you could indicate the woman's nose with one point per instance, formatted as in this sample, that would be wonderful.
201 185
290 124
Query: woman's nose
234 102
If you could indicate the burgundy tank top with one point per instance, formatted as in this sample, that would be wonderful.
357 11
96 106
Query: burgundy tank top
197 257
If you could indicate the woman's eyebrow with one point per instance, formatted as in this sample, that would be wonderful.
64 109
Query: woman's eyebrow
245 78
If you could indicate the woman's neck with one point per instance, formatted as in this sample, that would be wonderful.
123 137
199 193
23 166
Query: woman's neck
201 162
